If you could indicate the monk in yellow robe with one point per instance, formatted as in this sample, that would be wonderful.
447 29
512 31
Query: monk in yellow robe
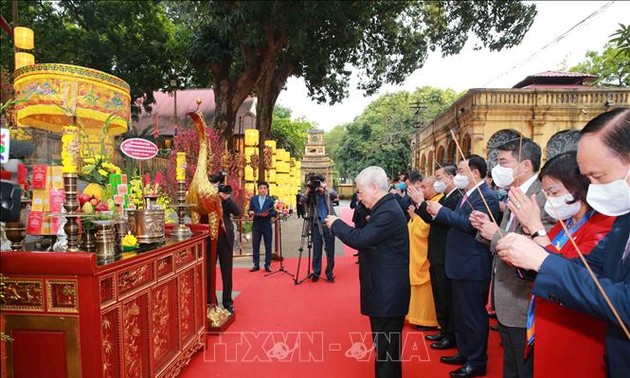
421 305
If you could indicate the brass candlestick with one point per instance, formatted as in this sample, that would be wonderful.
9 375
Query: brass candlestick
72 206
181 231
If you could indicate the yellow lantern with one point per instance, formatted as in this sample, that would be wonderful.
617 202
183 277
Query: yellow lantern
23 38
251 137
249 151
23 59
249 173
271 144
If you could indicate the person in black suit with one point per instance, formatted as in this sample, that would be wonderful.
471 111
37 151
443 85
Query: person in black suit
467 264
359 216
261 207
440 283
603 156
225 244
384 266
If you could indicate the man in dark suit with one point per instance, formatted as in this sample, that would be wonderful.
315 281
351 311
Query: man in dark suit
383 268
511 295
225 244
261 207
440 284
317 195
604 157
468 264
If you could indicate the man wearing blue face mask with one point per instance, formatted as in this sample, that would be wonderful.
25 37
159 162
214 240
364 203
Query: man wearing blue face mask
604 157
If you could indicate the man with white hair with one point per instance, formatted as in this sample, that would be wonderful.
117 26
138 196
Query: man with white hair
383 266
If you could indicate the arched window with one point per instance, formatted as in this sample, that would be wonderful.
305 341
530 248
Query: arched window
466 145
451 152
440 155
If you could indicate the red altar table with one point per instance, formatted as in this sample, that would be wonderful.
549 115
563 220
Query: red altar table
69 315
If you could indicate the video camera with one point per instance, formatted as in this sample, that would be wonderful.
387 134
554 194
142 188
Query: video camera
314 181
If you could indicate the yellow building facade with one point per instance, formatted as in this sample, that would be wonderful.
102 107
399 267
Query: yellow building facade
483 119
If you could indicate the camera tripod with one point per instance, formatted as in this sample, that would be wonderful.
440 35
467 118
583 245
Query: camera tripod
281 268
306 238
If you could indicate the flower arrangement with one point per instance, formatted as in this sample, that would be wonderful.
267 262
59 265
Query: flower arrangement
282 210
97 169
129 242
139 187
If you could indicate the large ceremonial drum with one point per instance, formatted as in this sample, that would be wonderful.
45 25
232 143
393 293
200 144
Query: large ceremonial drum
52 95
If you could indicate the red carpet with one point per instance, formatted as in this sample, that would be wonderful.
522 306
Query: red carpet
310 330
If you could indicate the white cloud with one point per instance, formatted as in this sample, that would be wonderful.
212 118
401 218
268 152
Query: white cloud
479 69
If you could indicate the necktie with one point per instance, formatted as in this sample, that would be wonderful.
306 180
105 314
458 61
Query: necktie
464 198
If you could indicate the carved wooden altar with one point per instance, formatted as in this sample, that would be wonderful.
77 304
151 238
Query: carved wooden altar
70 316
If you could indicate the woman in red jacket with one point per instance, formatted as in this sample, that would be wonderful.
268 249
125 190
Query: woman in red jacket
567 343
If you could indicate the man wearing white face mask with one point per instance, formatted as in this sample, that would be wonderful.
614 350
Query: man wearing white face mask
468 264
440 284
604 157
553 329
518 165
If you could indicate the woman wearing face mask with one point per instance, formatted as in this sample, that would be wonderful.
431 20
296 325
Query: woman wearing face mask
557 328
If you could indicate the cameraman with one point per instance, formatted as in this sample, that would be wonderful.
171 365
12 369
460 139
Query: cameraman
317 199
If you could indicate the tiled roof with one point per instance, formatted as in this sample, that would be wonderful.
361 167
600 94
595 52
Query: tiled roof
555 78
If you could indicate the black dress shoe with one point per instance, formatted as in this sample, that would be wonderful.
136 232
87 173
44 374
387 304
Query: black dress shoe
267 269
314 278
445 343
425 328
230 308
436 337
457 359
468 371
254 269
330 279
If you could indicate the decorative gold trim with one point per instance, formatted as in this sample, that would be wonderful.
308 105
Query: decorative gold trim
67 324
131 333
23 295
184 300
108 343
69 289
161 320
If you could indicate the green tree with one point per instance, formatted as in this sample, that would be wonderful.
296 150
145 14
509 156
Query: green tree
256 46
381 135
611 66
332 139
622 41
289 134
133 40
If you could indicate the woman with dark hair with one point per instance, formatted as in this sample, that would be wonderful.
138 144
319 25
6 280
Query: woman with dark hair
559 329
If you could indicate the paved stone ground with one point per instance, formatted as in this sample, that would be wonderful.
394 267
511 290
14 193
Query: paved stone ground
291 231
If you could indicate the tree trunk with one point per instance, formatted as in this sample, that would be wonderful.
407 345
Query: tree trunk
267 91
230 91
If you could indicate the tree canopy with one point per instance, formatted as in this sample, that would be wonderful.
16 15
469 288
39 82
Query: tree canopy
612 64
289 134
381 135
133 40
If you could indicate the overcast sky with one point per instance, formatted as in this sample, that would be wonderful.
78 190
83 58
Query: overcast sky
483 69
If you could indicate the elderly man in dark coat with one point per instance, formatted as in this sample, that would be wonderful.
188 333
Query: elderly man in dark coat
384 266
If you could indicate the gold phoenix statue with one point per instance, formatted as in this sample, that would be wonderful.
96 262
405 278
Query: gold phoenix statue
201 192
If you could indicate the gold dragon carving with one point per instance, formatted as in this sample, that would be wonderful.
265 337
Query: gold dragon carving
201 192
